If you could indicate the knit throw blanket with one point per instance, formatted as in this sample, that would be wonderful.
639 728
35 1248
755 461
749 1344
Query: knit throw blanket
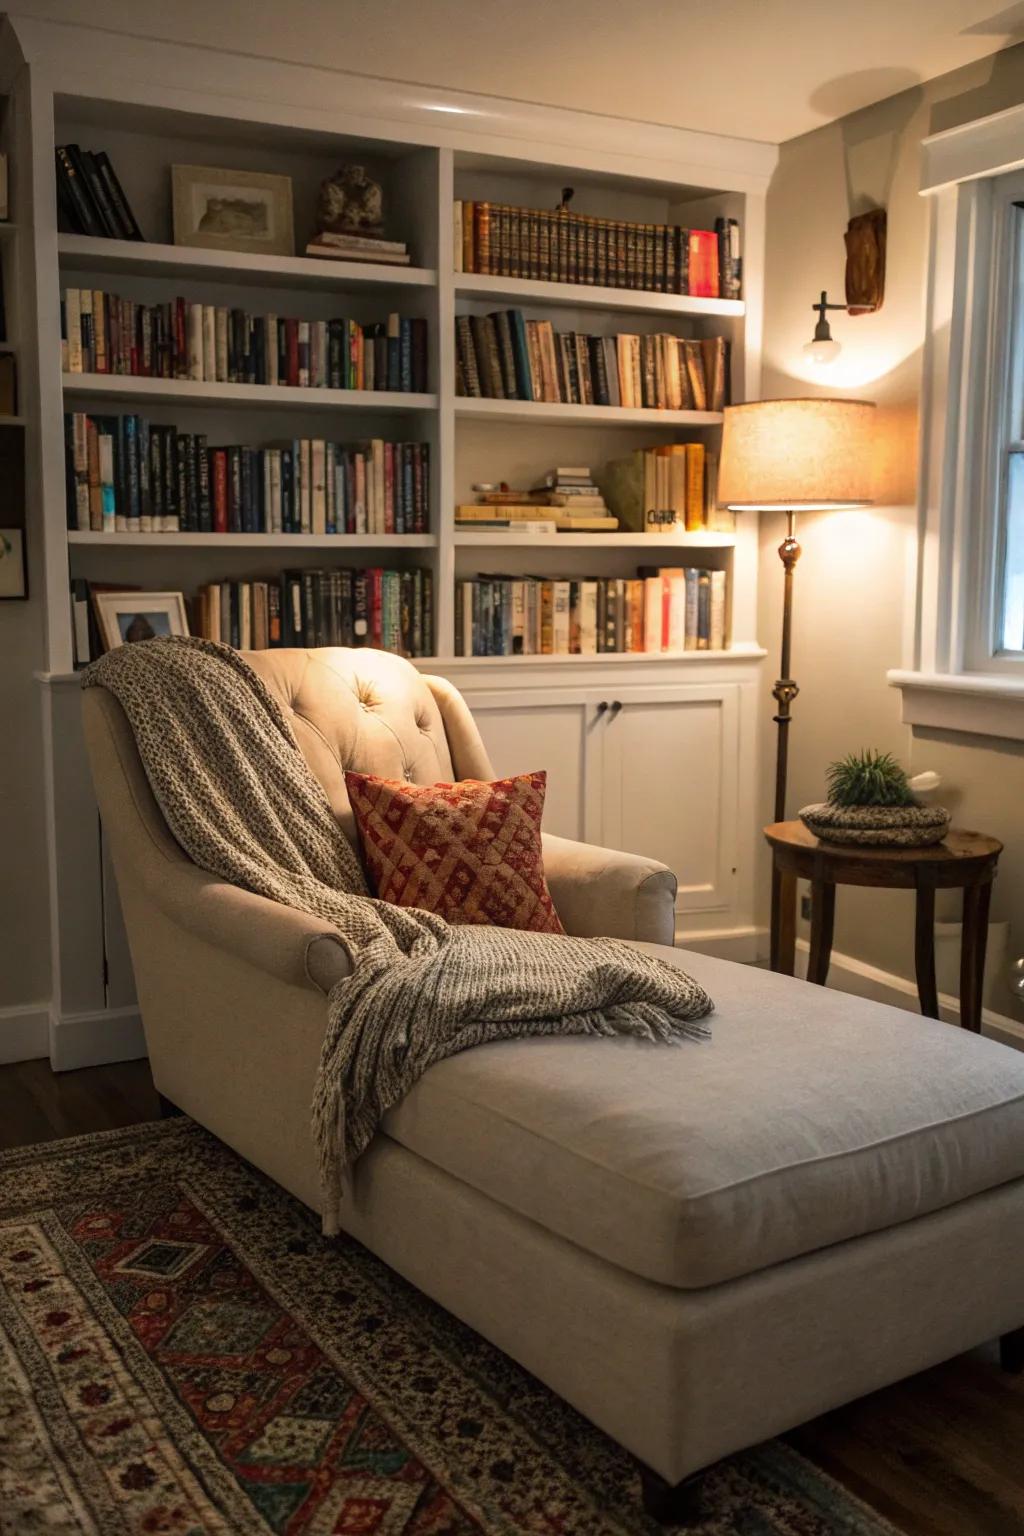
238 796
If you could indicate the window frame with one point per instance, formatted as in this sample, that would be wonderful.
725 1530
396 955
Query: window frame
952 675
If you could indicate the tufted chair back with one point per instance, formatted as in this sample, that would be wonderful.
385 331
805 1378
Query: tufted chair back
372 712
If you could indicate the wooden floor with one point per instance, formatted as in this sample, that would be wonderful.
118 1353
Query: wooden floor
939 1455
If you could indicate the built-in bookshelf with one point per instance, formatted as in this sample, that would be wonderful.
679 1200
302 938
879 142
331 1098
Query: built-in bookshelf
694 710
471 439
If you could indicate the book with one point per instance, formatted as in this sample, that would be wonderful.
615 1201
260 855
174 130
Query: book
153 478
567 246
388 609
505 356
90 199
181 339
326 252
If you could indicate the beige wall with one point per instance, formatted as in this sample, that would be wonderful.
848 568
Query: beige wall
854 591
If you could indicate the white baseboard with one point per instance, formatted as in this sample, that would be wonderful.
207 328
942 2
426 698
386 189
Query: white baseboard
24 1033
738 944
94 1039
848 974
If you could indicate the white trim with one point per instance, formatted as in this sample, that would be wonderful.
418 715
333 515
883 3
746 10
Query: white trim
96 1038
739 944
961 701
24 1033
988 146
863 980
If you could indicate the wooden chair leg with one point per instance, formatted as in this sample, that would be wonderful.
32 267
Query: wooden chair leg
1011 1352
672 1505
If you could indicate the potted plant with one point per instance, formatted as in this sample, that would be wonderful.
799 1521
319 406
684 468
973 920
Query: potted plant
871 801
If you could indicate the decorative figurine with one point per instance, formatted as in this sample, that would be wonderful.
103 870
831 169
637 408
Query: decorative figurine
350 204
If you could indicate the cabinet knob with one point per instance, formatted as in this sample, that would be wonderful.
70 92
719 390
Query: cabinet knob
616 706
602 706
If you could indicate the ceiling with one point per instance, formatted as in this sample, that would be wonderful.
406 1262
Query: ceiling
762 69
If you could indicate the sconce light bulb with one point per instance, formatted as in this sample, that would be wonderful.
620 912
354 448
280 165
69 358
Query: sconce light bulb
822 352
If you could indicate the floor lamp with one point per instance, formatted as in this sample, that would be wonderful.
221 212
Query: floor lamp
794 456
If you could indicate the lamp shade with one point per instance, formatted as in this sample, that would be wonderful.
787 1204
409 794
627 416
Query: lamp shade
793 454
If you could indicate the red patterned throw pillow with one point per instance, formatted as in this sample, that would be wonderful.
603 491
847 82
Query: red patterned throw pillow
471 852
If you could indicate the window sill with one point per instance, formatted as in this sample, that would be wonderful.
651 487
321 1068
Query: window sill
970 702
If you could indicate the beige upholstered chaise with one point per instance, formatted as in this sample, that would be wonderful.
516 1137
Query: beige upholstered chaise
697 1247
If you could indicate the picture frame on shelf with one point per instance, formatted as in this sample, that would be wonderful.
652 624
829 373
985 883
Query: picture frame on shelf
13 575
223 210
126 617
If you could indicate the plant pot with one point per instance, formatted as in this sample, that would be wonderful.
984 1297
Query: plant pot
892 826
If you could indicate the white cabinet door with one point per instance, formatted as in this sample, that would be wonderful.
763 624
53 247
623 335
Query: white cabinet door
669 785
554 729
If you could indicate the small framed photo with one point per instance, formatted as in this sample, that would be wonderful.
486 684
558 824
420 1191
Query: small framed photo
125 617
13 580
233 210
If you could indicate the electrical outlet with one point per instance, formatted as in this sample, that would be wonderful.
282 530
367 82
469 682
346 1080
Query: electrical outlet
805 907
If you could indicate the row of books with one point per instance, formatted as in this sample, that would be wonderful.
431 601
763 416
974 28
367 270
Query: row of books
90 198
125 474
661 610
208 343
672 486
390 610
561 246
504 356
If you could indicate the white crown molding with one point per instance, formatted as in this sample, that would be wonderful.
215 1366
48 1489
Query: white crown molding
988 146
87 61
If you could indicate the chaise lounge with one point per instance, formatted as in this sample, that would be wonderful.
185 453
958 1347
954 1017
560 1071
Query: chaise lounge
697 1248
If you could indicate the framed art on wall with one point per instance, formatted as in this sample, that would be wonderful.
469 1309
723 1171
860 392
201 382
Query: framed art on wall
233 210
127 617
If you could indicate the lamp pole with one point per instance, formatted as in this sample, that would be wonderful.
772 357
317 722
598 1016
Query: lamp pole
784 692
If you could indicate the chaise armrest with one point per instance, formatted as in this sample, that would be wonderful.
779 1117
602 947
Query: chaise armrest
599 893
293 946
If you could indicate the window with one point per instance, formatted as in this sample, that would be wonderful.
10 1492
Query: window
966 667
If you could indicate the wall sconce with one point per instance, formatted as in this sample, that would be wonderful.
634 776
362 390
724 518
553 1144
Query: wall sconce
823 348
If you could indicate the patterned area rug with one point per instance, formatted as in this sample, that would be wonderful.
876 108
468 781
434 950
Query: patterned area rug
181 1352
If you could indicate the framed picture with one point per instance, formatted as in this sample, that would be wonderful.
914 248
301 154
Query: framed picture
125 617
233 210
13 581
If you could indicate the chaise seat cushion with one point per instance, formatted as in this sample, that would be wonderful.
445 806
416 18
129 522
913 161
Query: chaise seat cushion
809 1118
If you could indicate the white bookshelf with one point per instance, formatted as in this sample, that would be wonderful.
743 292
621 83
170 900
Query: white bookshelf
694 713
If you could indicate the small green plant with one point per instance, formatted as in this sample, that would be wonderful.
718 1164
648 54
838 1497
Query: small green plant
868 778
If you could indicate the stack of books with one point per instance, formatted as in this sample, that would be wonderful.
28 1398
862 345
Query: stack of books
567 501
561 246
331 247
504 356
664 610
90 199
207 343
125 474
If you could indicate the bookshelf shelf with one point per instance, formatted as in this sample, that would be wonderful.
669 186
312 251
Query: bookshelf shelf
296 541
131 388
543 412
741 651
12 421
569 295
497 538
86 253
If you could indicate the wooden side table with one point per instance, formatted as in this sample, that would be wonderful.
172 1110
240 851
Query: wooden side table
963 861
